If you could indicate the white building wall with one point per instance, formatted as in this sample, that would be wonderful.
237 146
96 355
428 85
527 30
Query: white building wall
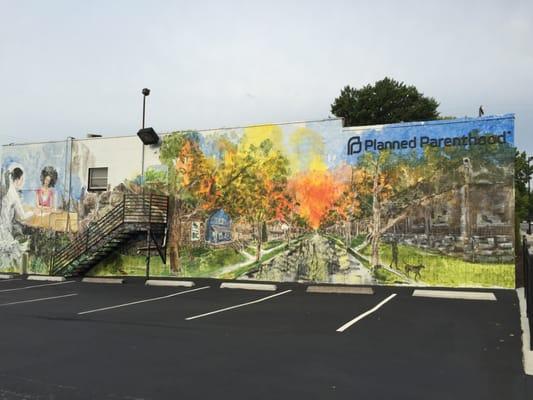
121 155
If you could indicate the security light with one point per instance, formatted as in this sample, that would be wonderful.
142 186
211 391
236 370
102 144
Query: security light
148 136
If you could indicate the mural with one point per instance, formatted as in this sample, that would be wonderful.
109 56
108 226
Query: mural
44 202
418 203
34 203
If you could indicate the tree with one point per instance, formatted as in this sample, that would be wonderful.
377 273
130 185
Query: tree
387 101
523 207
521 177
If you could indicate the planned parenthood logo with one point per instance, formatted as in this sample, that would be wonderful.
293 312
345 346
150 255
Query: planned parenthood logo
356 145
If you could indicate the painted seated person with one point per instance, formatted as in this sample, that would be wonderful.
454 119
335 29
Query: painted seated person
45 194
12 214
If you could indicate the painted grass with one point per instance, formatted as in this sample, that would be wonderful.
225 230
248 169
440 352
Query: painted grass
449 271
244 269
356 241
252 247
265 257
199 262
386 277
128 265
208 263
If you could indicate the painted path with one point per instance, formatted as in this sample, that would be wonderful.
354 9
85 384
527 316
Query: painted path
315 259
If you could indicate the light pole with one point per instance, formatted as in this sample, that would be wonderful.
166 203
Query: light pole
145 92
529 195
147 136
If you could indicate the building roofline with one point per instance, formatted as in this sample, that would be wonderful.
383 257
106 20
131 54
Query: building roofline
431 122
169 132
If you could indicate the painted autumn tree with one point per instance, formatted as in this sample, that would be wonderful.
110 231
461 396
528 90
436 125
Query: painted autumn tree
347 208
413 181
252 181
191 184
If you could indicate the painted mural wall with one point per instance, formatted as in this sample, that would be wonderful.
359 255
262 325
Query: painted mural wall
420 203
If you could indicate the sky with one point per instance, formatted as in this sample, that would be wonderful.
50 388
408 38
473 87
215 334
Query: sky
69 68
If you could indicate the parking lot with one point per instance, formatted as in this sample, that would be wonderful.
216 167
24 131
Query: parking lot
75 340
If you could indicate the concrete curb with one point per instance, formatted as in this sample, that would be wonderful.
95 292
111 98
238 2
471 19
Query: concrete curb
161 282
118 281
6 276
339 289
451 294
248 286
47 278
527 354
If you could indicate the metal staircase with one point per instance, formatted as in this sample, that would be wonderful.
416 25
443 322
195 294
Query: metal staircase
134 214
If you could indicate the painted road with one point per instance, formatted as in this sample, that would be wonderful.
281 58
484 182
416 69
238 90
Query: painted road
315 258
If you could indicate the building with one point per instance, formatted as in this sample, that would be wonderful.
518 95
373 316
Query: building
448 190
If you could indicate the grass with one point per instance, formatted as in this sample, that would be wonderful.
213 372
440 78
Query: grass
449 271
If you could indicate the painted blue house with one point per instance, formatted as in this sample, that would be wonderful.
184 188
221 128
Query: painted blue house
218 228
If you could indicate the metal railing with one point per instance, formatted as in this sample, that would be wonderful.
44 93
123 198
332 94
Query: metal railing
528 284
134 212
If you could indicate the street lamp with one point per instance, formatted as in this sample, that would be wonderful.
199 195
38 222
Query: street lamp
529 195
148 137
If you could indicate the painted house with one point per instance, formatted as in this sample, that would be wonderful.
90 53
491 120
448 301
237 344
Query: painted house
218 228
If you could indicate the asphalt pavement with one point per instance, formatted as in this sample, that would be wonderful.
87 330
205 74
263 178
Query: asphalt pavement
77 340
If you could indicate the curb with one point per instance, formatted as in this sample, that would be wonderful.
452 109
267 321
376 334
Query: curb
248 286
452 294
339 289
118 281
47 278
161 282
527 354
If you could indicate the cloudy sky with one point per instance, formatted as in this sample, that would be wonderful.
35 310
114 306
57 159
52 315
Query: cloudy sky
69 68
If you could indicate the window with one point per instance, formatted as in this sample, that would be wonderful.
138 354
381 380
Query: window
195 231
97 178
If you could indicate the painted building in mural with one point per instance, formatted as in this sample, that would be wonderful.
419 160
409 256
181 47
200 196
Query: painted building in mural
414 203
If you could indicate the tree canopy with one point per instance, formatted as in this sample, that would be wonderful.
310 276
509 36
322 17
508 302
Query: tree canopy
522 175
387 101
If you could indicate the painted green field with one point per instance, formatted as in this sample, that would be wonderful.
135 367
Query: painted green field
246 268
200 262
442 270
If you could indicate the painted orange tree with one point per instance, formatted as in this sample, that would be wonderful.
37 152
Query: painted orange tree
190 184
251 182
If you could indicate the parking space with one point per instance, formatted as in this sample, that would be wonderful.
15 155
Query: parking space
85 341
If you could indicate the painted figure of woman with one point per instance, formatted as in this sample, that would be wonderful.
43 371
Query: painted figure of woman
12 210
45 194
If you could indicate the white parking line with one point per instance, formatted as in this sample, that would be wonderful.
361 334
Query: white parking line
36 286
41 299
366 313
142 301
238 305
